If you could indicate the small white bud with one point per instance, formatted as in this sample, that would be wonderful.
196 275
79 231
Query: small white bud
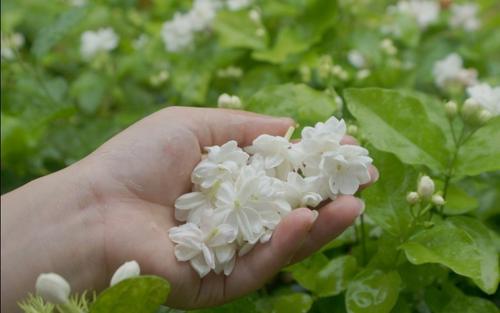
53 288
254 16
362 74
229 102
352 130
470 109
260 32
484 116
127 270
412 197
451 109
438 200
388 47
425 187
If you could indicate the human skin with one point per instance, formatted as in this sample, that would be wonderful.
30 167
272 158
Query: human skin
117 204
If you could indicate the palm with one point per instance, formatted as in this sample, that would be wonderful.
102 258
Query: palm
149 165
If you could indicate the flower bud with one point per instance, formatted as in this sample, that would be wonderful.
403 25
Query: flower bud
484 116
53 288
127 270
470 109
352 130
438 200
451 109
412 197
229 102
425 187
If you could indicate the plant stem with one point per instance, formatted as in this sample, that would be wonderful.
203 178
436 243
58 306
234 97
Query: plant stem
363 238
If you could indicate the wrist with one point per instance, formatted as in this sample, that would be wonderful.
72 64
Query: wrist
50 225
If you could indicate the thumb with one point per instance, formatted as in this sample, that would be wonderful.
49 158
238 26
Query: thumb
217 126
265 260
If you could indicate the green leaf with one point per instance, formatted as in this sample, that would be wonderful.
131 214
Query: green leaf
386 199
325 277
246 304
89 90
287 303
462 244
399 124
481 153
237 30
306 30
450 299
459 202
49 36
304 104
373 291
142 294
470 305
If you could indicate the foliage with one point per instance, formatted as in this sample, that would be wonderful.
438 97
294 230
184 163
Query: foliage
57 107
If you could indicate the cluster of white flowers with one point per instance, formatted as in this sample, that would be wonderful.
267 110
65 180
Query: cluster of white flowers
229 102
179 32
102 40
486 96
464 16
425 12
425 193
240 195
55 289
450 70
230 72
356 59
10 44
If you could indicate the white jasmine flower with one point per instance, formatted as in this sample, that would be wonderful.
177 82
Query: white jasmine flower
229 102
191 207
356 59
53 288
202 14
450 70
10 44
102 40
221 163
425 12
177 34
235 5
316 140
127 270
345 169
487 97
203 246
301 192
323 136
276 152
425 187
464 16
237 205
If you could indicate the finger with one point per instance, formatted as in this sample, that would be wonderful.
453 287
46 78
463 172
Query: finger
348 140
264 261
333 219
217 126
374 176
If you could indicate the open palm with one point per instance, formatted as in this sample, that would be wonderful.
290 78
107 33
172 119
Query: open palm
137 175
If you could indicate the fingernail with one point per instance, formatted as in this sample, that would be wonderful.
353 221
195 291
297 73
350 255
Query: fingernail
363 206
315 215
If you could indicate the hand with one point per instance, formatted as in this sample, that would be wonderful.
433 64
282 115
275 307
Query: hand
117 205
